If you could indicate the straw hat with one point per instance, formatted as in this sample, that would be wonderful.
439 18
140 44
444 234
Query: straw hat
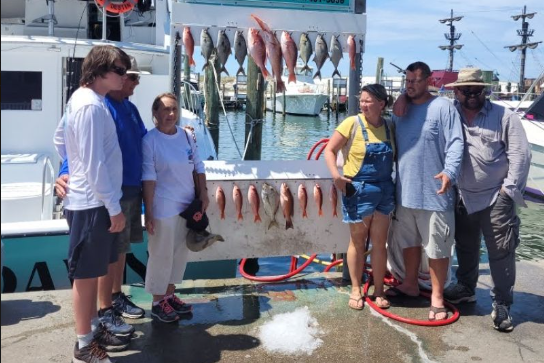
469 77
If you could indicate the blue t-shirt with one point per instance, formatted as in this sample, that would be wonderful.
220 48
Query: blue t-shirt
130 131
429 141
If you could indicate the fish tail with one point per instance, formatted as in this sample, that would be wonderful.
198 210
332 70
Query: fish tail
257 218
292 78
304 214
281 86
241 70
352 63
192 61
240 216
266 74
320 212
336 72
318 74
224 70
288 224
273 223
306 67
334 213
222 214
204 66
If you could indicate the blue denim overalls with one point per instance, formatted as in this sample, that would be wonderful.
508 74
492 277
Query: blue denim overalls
374 189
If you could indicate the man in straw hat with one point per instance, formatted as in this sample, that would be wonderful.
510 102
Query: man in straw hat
130 130
430 147
493 177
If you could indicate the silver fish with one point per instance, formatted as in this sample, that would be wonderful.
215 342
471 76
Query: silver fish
206 46
305 50
336 54
271 203
240 50
321 54
223 50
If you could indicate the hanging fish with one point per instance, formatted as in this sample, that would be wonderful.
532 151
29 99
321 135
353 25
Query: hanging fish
254 202
257 50
271 203
352 49
240 50
334 200
287 205
206 46
223 50
220 200
273 52
318 198
238 201
290 54
305 48
321 54
303 200
336 54
189 44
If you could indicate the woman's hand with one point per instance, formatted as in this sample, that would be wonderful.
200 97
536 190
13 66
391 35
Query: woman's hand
340 183
150 223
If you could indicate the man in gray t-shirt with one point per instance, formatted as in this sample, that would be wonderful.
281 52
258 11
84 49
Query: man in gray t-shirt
493 176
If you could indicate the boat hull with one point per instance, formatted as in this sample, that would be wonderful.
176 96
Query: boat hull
298 104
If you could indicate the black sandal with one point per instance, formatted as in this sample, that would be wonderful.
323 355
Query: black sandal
436 310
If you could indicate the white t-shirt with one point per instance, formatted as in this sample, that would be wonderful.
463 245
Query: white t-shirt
86 135
169 160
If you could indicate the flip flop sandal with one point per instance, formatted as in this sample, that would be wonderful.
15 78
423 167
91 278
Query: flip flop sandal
375 299
356 307
436 310
399 293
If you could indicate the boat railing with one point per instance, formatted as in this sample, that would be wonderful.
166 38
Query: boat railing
191 98
47 166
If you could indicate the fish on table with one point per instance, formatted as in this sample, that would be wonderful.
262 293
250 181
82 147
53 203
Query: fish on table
273 52
271 203
238 201
220 200
321 54
189 44
287 205
223 50
318 199
305 50
336 54
257 50
206 46
254 202
303 200
290 54
240 50
352 49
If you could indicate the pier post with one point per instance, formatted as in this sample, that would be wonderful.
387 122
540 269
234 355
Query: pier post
284 107
212 98
328 98
254 111
274 97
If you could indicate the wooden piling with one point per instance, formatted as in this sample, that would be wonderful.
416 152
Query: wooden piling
328 98
254 110
212 98
284 103
274 89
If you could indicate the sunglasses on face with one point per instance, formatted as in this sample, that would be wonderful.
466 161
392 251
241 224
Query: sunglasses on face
471 92
133 77
120 71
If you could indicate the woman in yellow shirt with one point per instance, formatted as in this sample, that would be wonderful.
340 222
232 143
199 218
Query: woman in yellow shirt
368 192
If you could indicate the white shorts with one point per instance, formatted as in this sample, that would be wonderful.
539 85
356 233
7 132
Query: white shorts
435 231
168 254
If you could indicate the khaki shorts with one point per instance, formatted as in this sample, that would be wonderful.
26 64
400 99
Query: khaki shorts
435 231
133 232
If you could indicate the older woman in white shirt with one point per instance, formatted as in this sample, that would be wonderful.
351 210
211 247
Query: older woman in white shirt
169 158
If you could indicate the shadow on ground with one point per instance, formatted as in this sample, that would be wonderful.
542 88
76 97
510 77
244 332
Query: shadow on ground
14 311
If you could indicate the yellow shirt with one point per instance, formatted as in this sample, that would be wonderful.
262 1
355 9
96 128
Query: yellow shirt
357 151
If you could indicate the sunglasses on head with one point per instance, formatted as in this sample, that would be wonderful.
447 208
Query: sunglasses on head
121 71
472 92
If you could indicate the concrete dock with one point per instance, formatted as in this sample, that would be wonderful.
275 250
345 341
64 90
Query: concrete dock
38 326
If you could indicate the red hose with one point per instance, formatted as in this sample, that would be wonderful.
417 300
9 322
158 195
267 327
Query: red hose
320 151
274 278
309 157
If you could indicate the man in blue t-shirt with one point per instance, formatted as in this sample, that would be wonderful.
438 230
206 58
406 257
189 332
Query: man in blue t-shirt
130 131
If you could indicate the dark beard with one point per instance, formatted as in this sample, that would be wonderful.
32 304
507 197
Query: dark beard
476 104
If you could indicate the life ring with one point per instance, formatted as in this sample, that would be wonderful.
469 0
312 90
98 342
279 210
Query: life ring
118 8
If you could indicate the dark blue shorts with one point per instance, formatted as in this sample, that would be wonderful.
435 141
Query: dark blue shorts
368 197
92 247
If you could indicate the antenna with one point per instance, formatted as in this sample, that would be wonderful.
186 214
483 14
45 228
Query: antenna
525 33
400 70
452 36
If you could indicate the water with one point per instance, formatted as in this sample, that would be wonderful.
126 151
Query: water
291 137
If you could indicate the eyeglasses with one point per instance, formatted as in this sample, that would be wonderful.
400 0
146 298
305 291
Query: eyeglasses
415 81
472 92
133 77
120 71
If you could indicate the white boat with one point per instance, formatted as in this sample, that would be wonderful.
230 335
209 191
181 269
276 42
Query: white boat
301 98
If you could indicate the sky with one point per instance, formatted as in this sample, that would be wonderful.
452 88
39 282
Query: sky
404 31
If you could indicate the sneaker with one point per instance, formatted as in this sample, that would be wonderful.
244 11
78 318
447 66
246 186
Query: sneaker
164 312
179 306
126 308
110 342
114 322
92 353
502 321
459 293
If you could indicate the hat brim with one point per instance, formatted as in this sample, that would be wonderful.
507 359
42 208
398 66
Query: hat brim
137 72
461 84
